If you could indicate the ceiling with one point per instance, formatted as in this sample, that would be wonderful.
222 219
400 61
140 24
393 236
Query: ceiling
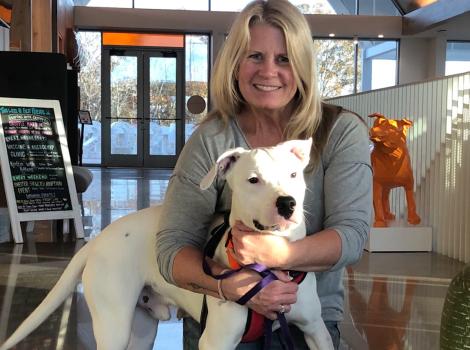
420 17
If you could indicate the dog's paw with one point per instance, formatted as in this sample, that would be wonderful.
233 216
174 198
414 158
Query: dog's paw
380 223
414 220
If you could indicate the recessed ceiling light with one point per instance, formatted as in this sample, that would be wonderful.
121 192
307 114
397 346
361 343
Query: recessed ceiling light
380 35
331 35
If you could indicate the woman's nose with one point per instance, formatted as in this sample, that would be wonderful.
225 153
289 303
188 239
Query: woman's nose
268 68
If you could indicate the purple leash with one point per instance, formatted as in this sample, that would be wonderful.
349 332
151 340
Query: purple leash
267 277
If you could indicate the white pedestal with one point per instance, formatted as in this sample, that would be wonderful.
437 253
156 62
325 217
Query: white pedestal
400 238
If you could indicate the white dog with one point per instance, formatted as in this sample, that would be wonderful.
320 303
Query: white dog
268 192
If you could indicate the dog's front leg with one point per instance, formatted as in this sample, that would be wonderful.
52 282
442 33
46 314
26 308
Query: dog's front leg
224 326
306 315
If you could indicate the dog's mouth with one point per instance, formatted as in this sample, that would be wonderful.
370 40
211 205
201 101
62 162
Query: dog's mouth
277 227
261 227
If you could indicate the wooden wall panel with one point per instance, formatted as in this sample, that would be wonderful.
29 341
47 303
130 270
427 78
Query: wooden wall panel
41 25
20 30
65 39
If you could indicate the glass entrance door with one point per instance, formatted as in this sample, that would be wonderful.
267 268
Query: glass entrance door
143 107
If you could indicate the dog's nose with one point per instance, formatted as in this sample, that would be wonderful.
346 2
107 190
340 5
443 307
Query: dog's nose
285 206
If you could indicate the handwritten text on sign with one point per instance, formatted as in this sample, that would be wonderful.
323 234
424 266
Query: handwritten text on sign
35 159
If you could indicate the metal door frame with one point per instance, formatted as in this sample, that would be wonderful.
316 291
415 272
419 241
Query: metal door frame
142 158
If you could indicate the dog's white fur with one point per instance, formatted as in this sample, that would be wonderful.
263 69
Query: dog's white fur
116 266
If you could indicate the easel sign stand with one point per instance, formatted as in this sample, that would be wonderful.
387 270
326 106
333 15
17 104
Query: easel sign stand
35 162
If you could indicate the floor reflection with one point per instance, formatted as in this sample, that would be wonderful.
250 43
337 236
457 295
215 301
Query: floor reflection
117 192
392 300
382 323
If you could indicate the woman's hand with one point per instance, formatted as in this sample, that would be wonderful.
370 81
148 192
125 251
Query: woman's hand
277 296
254 247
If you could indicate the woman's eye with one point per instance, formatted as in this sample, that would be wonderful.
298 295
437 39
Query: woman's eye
255 56
293 175
283 59
253 180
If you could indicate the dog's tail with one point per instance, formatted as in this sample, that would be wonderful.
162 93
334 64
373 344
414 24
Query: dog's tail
62 289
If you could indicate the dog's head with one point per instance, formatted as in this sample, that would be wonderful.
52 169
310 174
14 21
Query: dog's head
390 133
268 186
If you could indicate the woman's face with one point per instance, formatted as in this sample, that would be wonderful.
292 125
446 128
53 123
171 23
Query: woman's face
265 76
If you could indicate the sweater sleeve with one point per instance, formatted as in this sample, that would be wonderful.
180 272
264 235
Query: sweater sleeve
187 210
348 186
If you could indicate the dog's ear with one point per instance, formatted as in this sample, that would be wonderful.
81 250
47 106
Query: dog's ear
221 167
405 124
300 148
377 115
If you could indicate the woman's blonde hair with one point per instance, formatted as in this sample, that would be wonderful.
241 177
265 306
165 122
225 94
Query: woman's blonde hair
225 95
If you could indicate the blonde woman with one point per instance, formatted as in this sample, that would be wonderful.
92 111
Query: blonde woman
264 91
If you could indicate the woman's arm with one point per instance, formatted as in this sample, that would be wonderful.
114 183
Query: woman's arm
188 274
316 252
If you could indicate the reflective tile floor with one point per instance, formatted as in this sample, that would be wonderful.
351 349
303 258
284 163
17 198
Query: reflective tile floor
393 300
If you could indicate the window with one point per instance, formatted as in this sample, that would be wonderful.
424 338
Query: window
376 64
105 3
197 5
377 8
340 7
457 57
197 73
315 6
335 67
89 81
224 5
346 68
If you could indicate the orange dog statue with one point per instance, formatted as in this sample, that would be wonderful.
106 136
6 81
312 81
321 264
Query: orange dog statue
392 167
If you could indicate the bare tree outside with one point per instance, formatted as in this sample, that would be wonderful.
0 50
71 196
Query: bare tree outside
335 58
89 44
335 67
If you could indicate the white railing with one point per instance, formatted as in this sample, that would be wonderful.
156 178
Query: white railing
439 148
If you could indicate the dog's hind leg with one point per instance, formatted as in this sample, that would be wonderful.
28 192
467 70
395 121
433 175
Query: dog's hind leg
111 296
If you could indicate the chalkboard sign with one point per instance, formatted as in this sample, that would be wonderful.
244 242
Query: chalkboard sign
35 163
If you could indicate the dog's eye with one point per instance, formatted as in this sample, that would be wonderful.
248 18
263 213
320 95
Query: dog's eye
293 175
253 180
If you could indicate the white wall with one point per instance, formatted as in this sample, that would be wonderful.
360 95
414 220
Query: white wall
422 58
437 56
413 60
